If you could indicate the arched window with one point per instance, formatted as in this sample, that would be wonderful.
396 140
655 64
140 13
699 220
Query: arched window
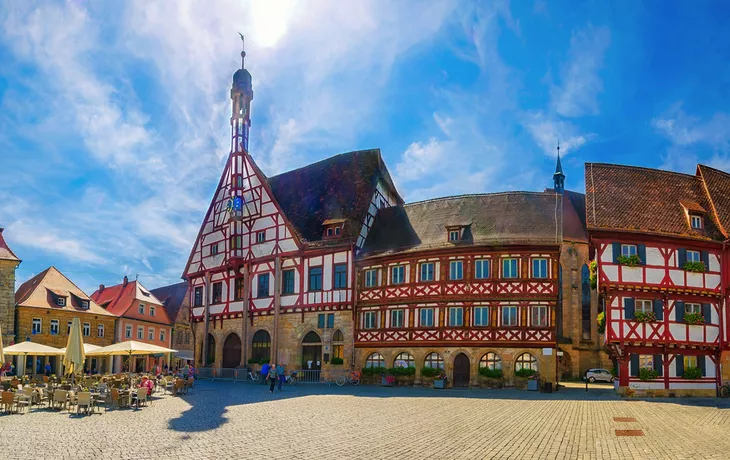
491 361
526 361
585 290
338 345
312 337
261 346
434 361
375 360
404 360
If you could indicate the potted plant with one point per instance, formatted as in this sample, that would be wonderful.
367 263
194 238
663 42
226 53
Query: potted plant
642 317
694 267
533 384
490 378
646 374
593 267
521 377
370 375
337 361
440 380
692 373
428 374
404 375
387 380
601 320
629 261
694 318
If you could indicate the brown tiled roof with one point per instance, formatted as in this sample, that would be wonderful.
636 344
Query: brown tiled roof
574 215
5 252
491 219
175 299
718 188
630 198
339 187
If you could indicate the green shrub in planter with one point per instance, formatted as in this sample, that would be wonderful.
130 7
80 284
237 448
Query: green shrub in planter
695 267
253 361
430 372
374 371
601 320
337 361
397 371
524 373
593 267
631 261
490 373
692 373
647 374
694 318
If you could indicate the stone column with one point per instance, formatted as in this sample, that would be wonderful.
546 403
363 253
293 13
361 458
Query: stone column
277 307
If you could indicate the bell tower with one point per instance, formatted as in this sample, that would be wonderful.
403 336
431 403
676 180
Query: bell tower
559 177
241 97
8 263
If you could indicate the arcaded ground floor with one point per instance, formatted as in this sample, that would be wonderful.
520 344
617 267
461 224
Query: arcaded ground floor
238 421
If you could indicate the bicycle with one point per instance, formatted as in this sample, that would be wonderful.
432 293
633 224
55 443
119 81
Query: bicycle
253 376
725 390
352 377
291 378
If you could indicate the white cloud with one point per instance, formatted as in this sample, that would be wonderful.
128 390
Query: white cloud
421 160
684 130
548 131
32 234
581 84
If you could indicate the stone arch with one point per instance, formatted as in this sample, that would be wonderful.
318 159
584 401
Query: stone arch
260 351
231 356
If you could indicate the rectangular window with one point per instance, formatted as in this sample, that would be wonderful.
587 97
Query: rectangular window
54 327
509 268
690 361
341 276
509 316
315 278
539 316
693 308
37 326
371 319
539 268
85 304
261 236
263 286
396 318
100 330
696 222
426 317
287 285
454 235
398 274
150 334
646 361
238 287
128 332
693 256
152 310
198 300
218 292
481 269
628 250
456 270
140 309
140 332
456 316
644 306
427 271
371 278
326 320
481 316
61 301
162 335
214 249
87 329
236 242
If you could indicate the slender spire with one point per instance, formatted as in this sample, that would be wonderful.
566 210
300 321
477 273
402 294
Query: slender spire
559 177
243 49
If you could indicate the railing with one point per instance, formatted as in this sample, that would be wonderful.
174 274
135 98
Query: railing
309 376
241 375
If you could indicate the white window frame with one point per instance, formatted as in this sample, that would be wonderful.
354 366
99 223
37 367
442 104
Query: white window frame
140 309
458 264
37 326
54 325
61 301
420 271
643 306
692 308
150 333
100 330
152 310
128 331
484 263
454 314
542 315
481 314
398 269
162 335
370 320
261 236
86 330
516 316
430 317
695 219
539 262
628 250
371 277
454 235
694 256
397 318
68 327
214 249
140 333
506 262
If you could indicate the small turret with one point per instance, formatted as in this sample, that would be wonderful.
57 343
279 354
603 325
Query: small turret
559 177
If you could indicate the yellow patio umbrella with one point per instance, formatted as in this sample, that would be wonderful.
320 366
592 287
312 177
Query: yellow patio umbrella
130 348
31 348
74 355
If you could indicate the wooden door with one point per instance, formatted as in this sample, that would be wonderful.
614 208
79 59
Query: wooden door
461 371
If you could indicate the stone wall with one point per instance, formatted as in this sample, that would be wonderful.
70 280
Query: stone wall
25 317
7 300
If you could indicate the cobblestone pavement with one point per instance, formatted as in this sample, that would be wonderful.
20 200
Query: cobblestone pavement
226 420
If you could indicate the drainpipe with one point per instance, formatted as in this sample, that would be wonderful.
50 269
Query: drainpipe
206 305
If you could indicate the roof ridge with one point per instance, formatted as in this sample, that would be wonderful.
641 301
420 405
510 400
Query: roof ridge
714 169
474 195
375 150
664 171
39 277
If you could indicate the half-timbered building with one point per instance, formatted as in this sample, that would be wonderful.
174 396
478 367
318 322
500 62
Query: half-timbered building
658 241
272 269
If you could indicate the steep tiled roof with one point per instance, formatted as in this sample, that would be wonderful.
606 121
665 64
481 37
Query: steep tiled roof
489 219
629 198
339 187
5 252
40 292
117 299
574 215
174 297
718 187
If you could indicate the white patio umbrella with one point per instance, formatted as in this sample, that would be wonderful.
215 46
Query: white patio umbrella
33 349
130 348
74 356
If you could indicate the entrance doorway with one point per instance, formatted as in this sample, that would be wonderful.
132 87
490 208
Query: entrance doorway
232 351
461 371
311 357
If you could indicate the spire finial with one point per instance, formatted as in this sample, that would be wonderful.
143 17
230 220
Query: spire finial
558 148
243 49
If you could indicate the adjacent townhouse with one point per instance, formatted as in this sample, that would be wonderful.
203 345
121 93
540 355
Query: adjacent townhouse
9 262
177 305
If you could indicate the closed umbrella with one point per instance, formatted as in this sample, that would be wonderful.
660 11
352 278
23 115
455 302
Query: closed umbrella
74 356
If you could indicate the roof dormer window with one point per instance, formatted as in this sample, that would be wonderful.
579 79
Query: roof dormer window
333 228
454 235
696 221
61 301
85 304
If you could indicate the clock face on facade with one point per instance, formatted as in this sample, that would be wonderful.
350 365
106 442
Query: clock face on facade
237 204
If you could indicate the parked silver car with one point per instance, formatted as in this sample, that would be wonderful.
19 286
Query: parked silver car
599 375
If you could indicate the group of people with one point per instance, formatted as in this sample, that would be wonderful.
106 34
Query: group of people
7 369
274 373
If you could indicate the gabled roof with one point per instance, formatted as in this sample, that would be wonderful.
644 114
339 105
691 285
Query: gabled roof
510 218
175 299
717 184
5 252
118 299
574 215
630 198
41 292
339 187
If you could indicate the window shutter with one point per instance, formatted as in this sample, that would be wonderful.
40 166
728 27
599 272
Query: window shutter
634 365
701 364
659 309
706 259
331 320
641 249
707 312
629 308
320 321
616 252
679 364
681 257
679 311
658 367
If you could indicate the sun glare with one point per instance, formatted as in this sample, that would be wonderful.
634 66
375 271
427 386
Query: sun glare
270 19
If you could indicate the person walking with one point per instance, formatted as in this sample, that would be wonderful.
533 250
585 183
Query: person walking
280 375
272 377
264 373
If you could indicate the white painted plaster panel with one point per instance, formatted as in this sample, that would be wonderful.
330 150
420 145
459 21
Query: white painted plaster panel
288 300
654 257
654 275
696 334
215 309
646 385
677 277
261 303
341 257
198 311
268 208
631 274
692 386
694 279
712 281
714 263
611 272
712 333
678 331
235 307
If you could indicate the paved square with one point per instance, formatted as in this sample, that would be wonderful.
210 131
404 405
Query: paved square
226 420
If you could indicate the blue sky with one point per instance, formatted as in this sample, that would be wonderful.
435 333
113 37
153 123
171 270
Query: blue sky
113 115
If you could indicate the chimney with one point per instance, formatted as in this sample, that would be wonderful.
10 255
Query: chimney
126 281
101 288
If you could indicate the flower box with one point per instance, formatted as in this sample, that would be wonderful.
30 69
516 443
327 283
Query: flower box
532 385
405 380
387 380
439 383
427 381
488 382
